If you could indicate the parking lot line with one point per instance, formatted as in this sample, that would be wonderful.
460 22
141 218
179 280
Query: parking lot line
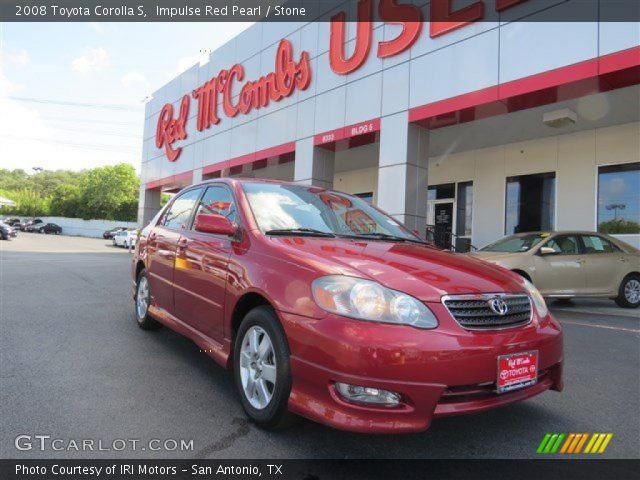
595 325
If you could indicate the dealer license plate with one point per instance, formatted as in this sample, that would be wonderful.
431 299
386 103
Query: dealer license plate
518 370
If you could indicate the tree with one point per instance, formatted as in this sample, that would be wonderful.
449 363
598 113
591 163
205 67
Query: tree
109 193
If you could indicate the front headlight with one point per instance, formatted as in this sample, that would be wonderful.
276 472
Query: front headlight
366 300
538 299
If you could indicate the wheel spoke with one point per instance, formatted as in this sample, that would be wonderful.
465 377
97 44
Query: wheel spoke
250 390
245 359
269 373
253 341
263 393
264 349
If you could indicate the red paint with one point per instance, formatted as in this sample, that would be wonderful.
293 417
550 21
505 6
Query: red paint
170 129
337 40
438 372
448 20
213 223
616 70
288 76
504 4
332 136
173 181
411 28
284 150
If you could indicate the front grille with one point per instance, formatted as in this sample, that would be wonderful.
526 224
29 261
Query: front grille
474 312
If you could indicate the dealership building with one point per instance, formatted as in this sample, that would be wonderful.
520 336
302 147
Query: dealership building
475 128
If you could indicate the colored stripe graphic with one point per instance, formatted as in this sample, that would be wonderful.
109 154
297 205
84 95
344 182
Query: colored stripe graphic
573 443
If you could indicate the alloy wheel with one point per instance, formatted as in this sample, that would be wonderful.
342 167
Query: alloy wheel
142 297
258 367
632 291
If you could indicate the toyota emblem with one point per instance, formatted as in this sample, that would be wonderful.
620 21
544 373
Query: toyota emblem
499 306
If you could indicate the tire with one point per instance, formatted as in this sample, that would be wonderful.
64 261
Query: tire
629 292
268 412
125 245
41 230
143 319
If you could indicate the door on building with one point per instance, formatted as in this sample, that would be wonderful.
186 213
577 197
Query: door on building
440 217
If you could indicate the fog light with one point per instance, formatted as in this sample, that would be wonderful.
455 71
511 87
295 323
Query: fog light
367 395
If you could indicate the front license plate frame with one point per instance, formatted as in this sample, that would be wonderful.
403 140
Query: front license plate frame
517 371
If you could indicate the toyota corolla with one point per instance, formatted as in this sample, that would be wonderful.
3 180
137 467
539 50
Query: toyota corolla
324 306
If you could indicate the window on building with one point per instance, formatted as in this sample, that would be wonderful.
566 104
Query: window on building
619 198
218 200
464 207
179 214
439 192
367 197
530 203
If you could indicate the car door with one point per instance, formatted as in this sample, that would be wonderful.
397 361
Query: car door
201 272
561 272
605 264
161 247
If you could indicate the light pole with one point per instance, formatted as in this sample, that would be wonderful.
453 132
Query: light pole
615 207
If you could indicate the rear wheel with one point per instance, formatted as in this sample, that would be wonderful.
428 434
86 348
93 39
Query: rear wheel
143 300
629 292
261 369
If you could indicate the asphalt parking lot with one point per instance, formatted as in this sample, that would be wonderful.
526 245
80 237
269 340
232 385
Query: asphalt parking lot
74 365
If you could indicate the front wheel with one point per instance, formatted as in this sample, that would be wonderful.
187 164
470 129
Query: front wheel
261 369
143 300
629 292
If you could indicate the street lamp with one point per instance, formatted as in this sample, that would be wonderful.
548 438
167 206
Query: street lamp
615 207
37 169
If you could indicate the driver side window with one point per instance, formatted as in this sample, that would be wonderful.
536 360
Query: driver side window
564 245
218 200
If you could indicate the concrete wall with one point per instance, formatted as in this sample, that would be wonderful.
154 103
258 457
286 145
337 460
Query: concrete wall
575 158
86 228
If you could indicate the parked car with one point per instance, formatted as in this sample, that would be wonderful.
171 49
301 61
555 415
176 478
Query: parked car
50 228
13 222
31 225
109 234
571 264
126 238
326 307
7 232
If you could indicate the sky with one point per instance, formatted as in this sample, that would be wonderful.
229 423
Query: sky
72 95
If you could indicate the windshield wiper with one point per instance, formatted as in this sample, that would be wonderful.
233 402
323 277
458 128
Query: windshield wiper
386 236
311 232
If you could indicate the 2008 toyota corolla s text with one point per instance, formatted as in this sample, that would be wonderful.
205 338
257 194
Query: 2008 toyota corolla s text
326 307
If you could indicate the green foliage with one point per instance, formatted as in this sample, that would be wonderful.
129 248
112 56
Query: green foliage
619 225
109 193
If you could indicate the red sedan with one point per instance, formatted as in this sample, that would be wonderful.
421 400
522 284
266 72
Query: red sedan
326 307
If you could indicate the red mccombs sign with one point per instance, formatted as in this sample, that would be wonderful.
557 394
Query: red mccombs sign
290 75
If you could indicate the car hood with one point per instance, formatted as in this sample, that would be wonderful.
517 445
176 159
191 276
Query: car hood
419 270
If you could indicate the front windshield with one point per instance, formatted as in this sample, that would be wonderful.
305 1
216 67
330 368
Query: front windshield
294 207
515 243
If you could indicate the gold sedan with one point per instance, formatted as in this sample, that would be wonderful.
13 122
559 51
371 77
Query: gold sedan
571 264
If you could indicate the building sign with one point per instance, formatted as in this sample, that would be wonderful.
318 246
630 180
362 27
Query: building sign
290 75
444 19
287 77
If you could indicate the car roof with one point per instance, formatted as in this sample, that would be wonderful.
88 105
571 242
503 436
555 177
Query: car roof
242 180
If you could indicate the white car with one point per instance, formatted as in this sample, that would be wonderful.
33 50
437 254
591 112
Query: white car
126 238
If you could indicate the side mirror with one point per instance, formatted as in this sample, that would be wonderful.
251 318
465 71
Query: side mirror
211 223
547 251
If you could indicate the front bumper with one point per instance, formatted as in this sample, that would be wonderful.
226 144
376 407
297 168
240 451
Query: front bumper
441 372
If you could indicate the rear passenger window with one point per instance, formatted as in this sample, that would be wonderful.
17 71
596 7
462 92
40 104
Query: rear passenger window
218 200
597 244
179 214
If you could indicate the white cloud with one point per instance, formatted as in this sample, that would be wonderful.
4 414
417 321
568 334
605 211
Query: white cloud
92 60
97 26
19 58
133 80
